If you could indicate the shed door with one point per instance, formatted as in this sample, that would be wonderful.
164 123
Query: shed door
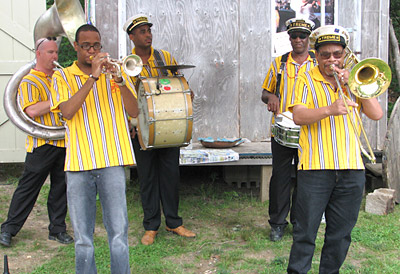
17 20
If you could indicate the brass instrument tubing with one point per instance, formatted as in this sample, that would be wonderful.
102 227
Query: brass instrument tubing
370 156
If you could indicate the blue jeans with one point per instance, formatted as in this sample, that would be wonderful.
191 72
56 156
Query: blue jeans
339 194
82 188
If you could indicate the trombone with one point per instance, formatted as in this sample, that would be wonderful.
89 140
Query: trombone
368 79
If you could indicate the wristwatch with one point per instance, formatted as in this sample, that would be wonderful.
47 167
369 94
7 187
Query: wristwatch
95 78
122 83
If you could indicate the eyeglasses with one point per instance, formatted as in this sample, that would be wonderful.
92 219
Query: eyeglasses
301 35
336 54
87 46
44 39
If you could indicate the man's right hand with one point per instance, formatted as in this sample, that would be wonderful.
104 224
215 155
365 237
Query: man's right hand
271 100
98 61
273 104
339 108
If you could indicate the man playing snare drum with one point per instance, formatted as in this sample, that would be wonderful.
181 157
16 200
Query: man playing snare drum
158 169
277 94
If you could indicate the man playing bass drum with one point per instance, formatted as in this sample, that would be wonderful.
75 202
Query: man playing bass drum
158 169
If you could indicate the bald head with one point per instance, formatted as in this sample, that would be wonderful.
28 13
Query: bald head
46 53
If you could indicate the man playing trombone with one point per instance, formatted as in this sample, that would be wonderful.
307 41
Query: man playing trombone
331 171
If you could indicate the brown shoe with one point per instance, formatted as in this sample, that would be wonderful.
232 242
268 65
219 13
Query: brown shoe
181 231
148 237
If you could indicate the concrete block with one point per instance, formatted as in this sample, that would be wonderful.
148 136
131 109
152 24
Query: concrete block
380 202
247 176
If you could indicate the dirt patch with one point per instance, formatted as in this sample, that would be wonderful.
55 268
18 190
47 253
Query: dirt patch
31 247
36 249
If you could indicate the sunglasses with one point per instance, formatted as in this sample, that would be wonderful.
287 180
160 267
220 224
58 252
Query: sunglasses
336 54
300 35
87 46
44 39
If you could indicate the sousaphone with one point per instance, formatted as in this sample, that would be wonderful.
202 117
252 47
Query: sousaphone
61 19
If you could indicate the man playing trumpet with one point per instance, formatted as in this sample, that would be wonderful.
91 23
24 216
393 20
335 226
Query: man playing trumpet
331 171
98 148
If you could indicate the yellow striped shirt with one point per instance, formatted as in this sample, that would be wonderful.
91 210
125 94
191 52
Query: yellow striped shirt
34 88
291 71
149 70
331 142
97 136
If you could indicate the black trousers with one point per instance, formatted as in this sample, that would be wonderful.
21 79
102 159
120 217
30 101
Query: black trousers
158 172
43 161
281 184
338 193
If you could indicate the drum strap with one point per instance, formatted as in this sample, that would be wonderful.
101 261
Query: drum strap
282 68
160 62
279 76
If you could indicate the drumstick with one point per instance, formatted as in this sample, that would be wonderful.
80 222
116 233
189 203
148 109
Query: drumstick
287 116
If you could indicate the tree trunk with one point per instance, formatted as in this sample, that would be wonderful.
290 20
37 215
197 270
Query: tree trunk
395 49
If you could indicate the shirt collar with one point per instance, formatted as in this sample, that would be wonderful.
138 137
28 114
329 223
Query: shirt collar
38 73
151 54
291 60
74 69
316 74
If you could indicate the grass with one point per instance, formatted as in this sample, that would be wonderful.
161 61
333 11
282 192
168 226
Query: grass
232 236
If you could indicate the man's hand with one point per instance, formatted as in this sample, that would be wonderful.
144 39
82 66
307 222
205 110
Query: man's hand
339 108
273 104
98 62
271 100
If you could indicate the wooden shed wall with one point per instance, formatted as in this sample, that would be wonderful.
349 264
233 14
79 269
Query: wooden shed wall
229 41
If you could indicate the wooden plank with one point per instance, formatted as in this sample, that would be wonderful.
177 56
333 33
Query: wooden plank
254 60
266 173
375 17
391 157
107 23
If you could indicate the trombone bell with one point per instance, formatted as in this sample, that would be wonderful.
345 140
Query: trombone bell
370 78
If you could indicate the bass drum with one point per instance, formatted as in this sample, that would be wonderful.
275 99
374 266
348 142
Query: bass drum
165 112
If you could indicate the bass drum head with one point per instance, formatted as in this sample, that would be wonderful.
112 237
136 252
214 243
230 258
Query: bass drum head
143 117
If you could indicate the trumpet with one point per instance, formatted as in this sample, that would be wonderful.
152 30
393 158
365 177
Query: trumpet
131 64
368 79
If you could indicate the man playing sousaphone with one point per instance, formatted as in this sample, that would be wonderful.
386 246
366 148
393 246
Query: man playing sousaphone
331 173
158 169
43 157
277 94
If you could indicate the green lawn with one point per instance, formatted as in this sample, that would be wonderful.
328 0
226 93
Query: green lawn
232 237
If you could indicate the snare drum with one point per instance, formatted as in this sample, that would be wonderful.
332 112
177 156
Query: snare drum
165 112
285 131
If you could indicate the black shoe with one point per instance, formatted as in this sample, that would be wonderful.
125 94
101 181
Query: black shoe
276 233
61 237
5 238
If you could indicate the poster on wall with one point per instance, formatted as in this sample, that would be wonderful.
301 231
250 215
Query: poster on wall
321 12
